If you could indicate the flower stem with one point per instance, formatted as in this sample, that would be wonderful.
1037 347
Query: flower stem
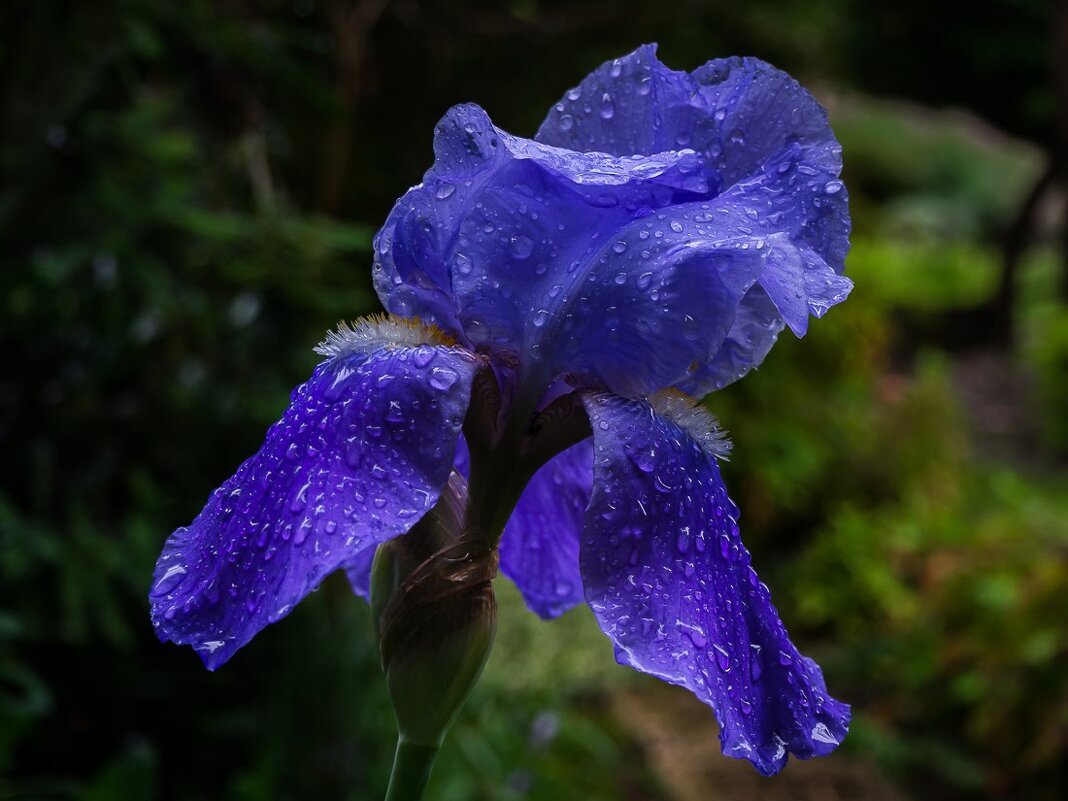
411 771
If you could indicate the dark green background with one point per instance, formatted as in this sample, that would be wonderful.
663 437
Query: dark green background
187 196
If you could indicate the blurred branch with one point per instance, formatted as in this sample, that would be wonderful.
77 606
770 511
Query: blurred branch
351 21
1017 238
1059 30
259 169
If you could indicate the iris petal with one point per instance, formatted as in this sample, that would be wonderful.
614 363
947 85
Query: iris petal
358 569
563 262
540 545
358 457
769 144
671 584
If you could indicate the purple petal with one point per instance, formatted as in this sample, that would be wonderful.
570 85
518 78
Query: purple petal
358 569
562 262
416 256
632 104
739 113
671 584
767 140
540 546
756 326
358 457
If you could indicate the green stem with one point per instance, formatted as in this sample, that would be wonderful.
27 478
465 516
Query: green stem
411 771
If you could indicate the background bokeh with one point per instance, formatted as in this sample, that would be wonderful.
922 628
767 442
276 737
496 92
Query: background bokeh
187 196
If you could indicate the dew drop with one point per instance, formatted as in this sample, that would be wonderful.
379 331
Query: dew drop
683 540
395 414
756 662
723 659
646 460
607 109
521 246
171 579
442 378
821 734
423 356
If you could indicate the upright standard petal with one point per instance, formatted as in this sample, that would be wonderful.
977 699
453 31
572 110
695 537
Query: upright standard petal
359 457
540 545
609 268
671 584
770 147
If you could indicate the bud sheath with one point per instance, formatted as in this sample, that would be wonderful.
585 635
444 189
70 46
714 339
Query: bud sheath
435 616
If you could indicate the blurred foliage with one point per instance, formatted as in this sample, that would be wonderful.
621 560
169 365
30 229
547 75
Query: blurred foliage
171 252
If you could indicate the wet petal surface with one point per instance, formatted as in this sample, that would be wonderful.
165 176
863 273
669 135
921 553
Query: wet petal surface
540 546
772 151
565 262
671 584
359 457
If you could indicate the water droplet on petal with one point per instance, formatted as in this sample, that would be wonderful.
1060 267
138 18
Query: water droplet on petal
171 579
521 246
723 659
756 662
607 109
423 356
442 378
821 734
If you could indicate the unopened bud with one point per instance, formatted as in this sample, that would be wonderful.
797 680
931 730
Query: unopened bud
435 615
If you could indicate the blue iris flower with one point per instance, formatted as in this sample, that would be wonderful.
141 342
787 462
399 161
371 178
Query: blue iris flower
645 248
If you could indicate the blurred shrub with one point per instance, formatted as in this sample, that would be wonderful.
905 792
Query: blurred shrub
161 283
932 582
1045 346
947 173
